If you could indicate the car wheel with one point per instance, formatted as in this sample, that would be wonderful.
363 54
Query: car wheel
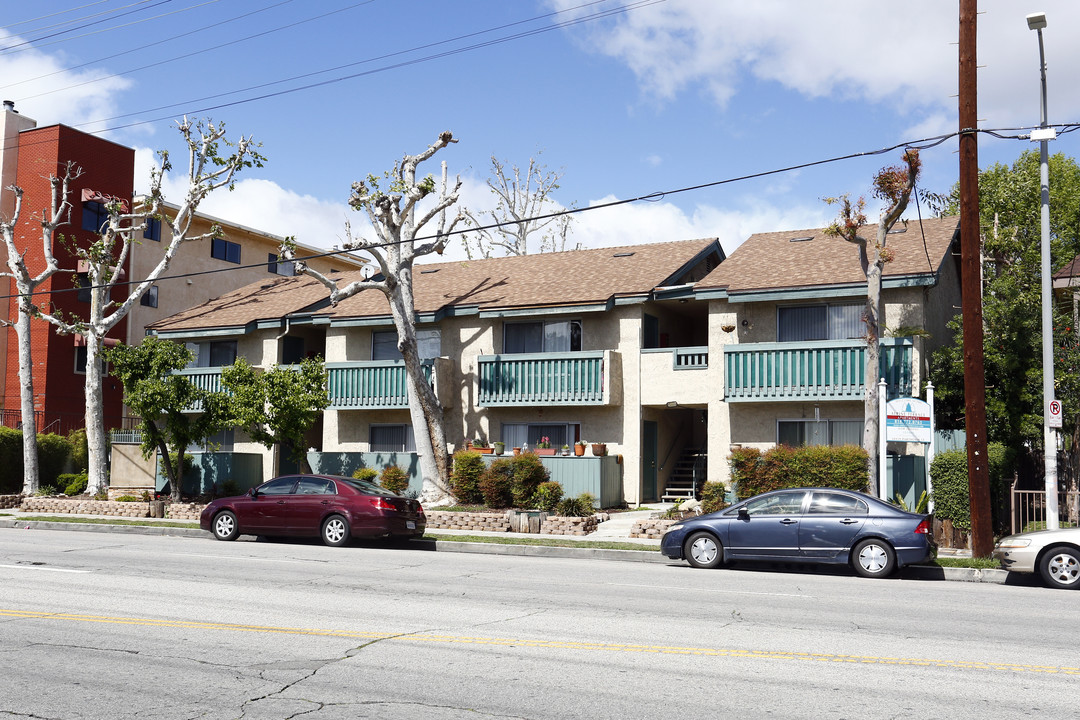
335 531
1060 567
225 525
703 550
873 558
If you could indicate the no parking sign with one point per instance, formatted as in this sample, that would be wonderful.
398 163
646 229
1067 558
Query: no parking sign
1053 413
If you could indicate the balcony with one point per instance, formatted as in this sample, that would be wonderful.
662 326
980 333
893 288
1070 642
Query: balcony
572 378
376 384
207 379
676 374
827 370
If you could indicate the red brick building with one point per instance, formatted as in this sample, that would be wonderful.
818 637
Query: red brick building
59 361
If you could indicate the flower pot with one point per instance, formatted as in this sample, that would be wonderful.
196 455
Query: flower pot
565 451
517 451
579 450
483 451
545 451
599 449
499 447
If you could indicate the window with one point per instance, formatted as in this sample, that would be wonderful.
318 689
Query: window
535 337
152 231
80 359
558 434
222 249
795 433
285 269
824 503
278 486
785 503
384 344
221 441
218 353
391 438
85 288
316 486
149 298
94 216
819 322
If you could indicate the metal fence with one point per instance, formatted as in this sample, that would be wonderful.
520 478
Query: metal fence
1029 509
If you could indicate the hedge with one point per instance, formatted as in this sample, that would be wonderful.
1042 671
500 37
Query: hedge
949 477
11 460
755 472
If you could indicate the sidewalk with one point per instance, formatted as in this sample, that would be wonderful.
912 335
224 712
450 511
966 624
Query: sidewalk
617 529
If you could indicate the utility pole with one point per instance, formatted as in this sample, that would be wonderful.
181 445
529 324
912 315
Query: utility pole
982 531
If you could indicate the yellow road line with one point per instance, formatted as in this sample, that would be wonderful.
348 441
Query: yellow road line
552 644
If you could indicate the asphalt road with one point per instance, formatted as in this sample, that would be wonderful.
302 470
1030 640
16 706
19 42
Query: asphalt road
123 626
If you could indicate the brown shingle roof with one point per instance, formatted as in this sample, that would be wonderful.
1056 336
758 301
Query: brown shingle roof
562 279
772 261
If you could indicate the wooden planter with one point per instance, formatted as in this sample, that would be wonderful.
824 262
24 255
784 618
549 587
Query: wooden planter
599 449
579 450
545 451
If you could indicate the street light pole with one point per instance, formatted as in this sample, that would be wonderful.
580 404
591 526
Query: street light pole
1044 134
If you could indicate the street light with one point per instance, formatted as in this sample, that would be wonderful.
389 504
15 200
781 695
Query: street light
1036 22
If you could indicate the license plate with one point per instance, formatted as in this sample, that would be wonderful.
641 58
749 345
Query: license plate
410 525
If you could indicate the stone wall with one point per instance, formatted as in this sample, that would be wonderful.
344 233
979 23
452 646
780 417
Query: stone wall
486 522
555 525
8 502
653 528
86 506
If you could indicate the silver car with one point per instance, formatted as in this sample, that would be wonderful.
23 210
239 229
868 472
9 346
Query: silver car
1054 554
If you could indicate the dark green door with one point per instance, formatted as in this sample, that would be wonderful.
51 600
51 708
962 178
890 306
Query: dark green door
648 461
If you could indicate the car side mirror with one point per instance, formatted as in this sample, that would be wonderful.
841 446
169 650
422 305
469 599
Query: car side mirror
253 493
743 514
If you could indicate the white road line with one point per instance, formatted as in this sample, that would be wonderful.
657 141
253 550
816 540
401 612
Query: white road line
39 567
714 590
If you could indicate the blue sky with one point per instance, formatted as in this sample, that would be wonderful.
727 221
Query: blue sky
652 96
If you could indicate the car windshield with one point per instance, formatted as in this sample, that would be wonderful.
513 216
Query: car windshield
366 487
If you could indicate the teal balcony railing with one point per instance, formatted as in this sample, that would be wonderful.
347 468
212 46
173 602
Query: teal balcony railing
827 370
370 384
572 378
207 379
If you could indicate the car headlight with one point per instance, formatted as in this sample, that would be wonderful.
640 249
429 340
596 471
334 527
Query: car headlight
673 528
1014 543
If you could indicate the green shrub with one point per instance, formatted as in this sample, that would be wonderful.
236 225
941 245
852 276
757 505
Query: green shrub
230 488
127 498
528 475
394 479
73 483
949 477
497 484
754 471
547 496
53 453
366 474
713 497
580 506
11 460
465 477
80 451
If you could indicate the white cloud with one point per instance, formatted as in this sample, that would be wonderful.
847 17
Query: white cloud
32 79
903 55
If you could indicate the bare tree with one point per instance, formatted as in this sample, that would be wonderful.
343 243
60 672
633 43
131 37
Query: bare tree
398 222
524 208
208 170
893 185
58 213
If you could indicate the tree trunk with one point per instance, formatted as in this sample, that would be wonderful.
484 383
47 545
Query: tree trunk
97 480
871 425
26 392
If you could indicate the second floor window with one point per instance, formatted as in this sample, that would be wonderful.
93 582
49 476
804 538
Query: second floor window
797 323
536 337
153 230
94 216
85 289
384 344
217 353
284 268
149 298
222 249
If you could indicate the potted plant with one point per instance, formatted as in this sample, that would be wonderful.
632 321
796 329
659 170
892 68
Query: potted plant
480 446
579 448
499 447
544 446
565 449
599 449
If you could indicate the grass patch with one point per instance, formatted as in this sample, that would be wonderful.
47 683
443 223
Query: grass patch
554 541
112 521
978 563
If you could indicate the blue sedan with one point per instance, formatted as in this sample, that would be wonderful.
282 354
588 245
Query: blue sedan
813 525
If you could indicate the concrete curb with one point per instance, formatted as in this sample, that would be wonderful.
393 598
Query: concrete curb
914 572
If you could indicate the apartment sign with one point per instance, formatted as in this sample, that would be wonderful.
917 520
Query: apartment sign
908 420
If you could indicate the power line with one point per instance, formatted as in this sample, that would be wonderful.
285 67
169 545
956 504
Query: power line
56 14
6 50
922 144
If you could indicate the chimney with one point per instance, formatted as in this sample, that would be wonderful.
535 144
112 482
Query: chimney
10 105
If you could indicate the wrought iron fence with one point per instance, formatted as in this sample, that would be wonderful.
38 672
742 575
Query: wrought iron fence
1029 509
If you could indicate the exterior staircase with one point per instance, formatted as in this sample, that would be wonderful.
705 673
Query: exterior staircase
687 476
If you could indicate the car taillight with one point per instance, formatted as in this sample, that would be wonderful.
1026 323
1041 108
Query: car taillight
419 509
381 503
924 528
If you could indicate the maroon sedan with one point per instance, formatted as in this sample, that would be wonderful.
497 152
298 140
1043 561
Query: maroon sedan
332 507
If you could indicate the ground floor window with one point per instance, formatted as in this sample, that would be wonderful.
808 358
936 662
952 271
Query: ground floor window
795 433
391 438
531 434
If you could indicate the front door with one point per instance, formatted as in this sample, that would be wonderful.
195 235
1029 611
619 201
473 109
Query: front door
649 451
